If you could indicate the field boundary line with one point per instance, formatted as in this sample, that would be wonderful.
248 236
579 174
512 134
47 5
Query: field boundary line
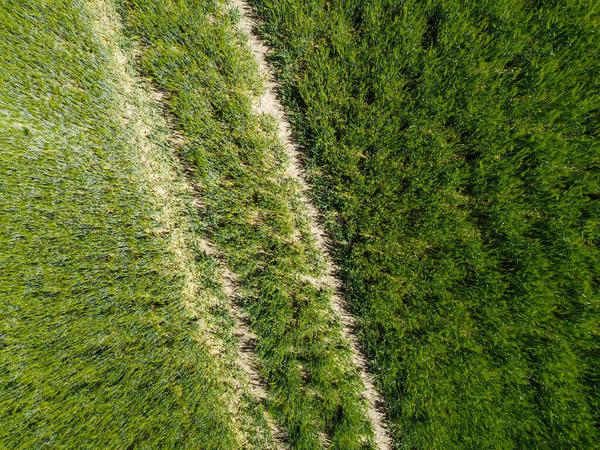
269 104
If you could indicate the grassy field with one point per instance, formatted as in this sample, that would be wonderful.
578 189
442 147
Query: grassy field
454 149
253 211
113 325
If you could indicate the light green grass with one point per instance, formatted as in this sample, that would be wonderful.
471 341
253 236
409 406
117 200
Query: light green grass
113 325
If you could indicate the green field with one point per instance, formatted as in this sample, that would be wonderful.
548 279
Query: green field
452 149
116 332
454 146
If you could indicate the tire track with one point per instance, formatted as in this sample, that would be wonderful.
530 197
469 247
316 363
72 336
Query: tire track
270 104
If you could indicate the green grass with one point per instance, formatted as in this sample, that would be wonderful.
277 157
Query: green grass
454 148
253 211
454 151
98 349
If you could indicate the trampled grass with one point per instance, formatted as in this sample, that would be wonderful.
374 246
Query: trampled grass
114 330
454 147
254 212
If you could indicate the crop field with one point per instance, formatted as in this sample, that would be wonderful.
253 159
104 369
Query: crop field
454 147
163 284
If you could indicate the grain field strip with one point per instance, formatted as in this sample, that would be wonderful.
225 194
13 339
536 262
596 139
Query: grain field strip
270 104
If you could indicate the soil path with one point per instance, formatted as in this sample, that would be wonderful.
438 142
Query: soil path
269 104
247 340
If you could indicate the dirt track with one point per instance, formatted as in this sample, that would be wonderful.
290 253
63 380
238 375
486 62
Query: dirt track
270 104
